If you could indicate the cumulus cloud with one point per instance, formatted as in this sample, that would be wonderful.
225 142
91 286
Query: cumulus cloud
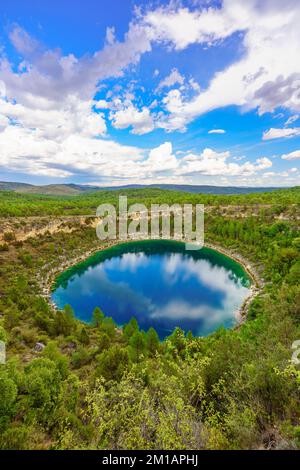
54 93
172 79
51 76
261 78
212 163
183 27
174 105
282 91
161 158
25 150
292 155
140 121
74 116
50 123
275 133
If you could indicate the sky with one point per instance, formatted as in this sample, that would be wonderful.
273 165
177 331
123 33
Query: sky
115 92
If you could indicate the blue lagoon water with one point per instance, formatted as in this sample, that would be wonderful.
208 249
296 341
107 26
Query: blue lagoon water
159 283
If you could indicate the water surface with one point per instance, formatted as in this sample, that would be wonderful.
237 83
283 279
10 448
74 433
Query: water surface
159 283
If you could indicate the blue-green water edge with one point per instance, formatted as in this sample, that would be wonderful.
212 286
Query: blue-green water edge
159 283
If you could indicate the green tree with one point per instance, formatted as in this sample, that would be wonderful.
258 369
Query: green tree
108 326
97 317
103 341
64 321
137 345
152 341
130 328
83 336
177 340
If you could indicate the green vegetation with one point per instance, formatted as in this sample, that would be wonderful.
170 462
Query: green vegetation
68 385
18 204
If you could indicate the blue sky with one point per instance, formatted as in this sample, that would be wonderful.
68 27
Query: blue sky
120 91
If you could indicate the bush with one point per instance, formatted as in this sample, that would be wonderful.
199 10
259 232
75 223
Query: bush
112 363
43 386
8 394
15 438
80 358
9 236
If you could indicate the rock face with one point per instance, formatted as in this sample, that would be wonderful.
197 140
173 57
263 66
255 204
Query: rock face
39 347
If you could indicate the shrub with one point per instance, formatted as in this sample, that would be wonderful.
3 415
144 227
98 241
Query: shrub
9 236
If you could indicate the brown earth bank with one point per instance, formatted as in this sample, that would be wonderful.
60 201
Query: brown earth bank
22 228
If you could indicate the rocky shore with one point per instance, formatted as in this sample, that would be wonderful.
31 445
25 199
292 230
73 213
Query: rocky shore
257 282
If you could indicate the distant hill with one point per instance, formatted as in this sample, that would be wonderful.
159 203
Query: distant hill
75 189
198 189
49 189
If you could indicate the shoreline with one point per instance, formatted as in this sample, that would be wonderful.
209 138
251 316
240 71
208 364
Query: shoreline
257 283
255 288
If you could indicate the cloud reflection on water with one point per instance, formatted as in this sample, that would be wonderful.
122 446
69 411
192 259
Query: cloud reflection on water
163 290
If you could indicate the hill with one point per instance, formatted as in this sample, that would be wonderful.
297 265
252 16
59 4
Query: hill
76 189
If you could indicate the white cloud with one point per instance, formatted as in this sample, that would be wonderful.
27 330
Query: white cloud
172 79
194 85
292 155
140 121
183 27
74 116
216 131
50 76
48 123
212 163
28 151
102 104
4 122
291 119
110 35
275 133
161 158
53 93
174 105
261 78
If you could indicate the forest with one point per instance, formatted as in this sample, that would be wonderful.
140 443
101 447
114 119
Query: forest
73 385
13 204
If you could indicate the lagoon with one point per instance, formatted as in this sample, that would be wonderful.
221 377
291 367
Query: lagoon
159 283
